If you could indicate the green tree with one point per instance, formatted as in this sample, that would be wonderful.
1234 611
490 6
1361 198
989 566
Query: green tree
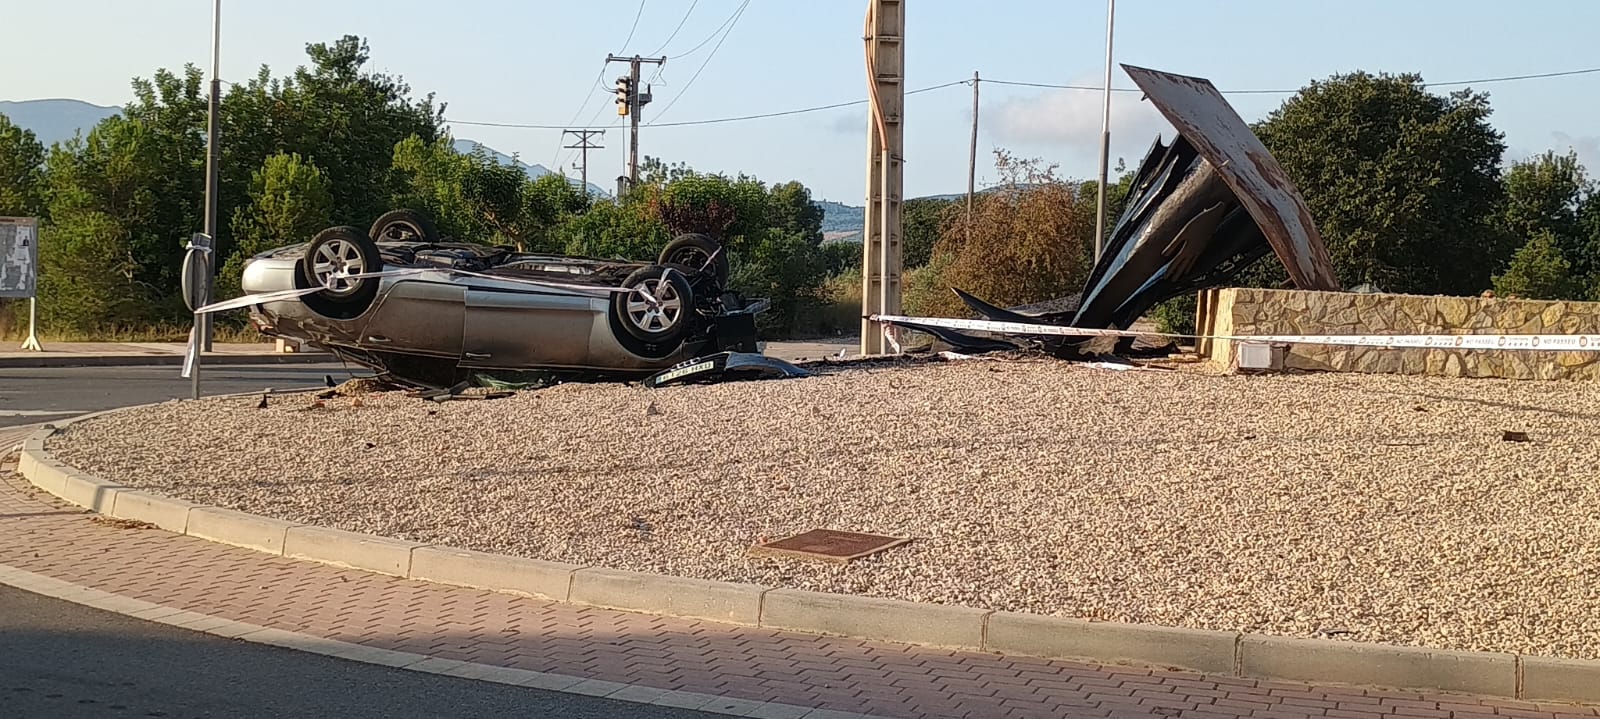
1027 240
21 171
290 201
788 270
705 204
1403 183
1538 272
1585 254
842 257
337 113
921 222
1544 194
102 209
615 230
432 177
547 204
132 192
790 210
170 112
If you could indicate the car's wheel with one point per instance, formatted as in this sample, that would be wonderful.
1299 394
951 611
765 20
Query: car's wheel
696 250
660 306
404 226
333 255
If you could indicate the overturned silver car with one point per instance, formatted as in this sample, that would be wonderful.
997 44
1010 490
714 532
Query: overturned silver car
427 312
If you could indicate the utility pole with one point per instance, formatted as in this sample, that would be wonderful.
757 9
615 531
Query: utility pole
972 152
629 103
584 146
881 239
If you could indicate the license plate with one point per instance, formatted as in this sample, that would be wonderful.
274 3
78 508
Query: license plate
686 371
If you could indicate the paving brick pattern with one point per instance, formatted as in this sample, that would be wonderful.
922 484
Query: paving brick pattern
43 535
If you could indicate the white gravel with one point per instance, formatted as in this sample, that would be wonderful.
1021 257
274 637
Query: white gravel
1373 508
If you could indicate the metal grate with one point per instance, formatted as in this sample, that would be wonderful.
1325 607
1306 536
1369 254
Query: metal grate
828 545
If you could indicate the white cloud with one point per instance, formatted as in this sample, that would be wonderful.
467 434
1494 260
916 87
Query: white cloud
1588 148
850 123
1072 119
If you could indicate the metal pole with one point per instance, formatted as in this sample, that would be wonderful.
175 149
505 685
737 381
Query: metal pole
972 152
1105 139
32 342
212 156
202 323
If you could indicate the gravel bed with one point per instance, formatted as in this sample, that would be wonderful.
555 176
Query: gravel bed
1361 507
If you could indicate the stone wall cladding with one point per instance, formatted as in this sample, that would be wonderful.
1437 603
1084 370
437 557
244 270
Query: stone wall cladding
1249 311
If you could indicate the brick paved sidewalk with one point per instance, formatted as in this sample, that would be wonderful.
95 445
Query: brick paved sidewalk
42 535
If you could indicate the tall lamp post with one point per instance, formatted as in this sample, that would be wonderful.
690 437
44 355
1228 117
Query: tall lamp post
199 262
1105 139
212 158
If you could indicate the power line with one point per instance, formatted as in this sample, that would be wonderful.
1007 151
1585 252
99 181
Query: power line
714 121
736 12
598 78
1452 83
675 30
735 21
636 17
817 108
1509 78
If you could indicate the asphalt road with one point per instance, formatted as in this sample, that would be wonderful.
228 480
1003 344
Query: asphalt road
60 660
28 396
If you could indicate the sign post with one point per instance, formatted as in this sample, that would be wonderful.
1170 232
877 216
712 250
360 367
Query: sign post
19 269
196 280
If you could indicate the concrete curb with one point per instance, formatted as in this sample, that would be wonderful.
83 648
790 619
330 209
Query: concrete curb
157 360
1211 652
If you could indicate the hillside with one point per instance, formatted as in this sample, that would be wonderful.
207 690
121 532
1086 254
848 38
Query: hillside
55 120
466 147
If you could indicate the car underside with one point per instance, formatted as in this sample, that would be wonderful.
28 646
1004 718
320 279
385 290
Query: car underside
435 313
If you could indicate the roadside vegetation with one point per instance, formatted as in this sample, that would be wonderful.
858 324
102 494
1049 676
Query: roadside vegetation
1410 190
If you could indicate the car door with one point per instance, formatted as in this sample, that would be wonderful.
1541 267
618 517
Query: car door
516 328
417 317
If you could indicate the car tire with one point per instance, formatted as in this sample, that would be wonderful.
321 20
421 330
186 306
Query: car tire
693 250
661 313
342 248
404 226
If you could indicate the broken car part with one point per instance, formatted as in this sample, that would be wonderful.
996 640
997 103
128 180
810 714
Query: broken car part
1199 211
726 367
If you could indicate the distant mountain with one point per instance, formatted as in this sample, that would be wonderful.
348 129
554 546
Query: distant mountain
841 222
55 120
465 147
844 223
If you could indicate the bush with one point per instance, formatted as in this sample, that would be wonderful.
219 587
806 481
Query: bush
1538 272
840 310
1176 316
1028 240
786 269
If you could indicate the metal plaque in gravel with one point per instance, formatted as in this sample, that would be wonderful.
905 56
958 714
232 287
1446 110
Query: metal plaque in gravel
829 545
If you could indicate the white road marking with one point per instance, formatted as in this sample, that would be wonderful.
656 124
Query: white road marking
39 412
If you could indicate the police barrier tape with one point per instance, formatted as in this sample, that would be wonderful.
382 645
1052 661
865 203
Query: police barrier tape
1551 343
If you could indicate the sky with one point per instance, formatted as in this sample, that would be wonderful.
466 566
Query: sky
538 62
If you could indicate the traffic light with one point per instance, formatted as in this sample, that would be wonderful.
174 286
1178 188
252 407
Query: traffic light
624 95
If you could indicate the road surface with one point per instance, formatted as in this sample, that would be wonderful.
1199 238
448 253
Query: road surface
29 396
68 661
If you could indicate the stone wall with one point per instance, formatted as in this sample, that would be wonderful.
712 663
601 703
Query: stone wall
1243 311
